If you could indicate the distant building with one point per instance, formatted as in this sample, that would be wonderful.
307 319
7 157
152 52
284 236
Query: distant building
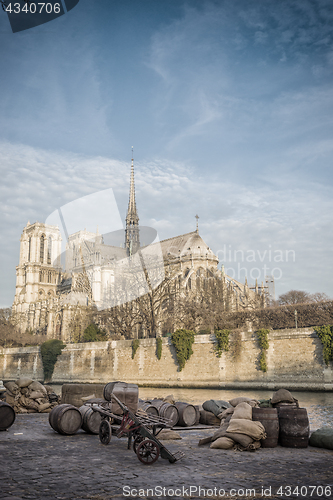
101 275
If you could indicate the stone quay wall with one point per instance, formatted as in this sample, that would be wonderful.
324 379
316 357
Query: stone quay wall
294 360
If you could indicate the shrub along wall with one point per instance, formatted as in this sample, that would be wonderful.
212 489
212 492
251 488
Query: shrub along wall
281 317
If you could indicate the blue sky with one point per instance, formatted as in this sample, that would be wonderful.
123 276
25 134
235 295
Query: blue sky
228 105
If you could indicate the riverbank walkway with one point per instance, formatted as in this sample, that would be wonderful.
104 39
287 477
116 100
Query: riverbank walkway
37 463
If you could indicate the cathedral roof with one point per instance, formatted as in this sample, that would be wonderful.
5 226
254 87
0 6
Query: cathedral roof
189 244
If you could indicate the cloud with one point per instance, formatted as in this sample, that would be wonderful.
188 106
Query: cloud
273 215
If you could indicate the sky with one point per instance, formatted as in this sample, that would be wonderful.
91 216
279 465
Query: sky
228 105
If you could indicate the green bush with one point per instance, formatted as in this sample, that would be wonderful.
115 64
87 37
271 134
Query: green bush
325 333
222 341
159 347
263 361
50 350
94 334
135 347
183 340
262 335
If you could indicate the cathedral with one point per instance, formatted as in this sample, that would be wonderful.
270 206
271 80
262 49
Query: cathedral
102 271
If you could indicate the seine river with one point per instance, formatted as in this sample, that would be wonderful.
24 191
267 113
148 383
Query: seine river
318 404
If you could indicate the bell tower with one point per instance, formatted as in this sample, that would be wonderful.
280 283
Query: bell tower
132 237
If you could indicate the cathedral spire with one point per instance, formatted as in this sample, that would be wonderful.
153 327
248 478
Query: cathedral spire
132 240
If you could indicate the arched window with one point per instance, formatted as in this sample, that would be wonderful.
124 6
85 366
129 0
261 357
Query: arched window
29 250
49 250
41 249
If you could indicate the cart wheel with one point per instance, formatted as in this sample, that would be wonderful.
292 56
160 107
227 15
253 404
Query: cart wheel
105 432
148 452
136 442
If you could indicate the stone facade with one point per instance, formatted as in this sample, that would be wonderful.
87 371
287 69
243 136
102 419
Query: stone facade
100 274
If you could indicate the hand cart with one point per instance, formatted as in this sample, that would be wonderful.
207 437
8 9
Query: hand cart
142 427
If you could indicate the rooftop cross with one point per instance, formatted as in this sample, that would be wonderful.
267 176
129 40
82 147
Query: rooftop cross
197 229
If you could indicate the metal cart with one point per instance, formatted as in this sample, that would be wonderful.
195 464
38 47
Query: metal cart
142 427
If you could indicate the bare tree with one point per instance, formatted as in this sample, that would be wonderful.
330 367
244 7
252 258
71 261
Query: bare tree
301 297
294 297
319 297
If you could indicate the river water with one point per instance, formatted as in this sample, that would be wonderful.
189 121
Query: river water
319 405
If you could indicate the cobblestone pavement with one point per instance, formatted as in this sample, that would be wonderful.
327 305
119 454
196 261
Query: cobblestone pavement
38 463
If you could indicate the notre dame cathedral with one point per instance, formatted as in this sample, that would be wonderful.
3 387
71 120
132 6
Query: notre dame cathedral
99 273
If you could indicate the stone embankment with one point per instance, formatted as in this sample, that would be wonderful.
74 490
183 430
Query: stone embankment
294 360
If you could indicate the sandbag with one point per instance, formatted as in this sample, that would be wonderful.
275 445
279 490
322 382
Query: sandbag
10 399
37 386
28 403
43 407
241 399
322 438
37 395
23 382
215 406
242 410
282 395
242 439
12 387
42 401
221 432
227 412
48 388
170 399
166 434
251 447
223 443
242 426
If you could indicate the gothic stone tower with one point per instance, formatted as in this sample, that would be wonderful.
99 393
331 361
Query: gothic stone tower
39 269
132 237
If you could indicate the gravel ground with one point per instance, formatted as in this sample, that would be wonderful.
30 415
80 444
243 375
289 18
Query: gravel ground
38 463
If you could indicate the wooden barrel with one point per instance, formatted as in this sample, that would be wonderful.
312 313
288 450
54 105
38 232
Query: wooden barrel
72 394
187 414
148 408
294 427
90 419
208 418
65 419
7 416
270 420
166 410
197 411
128 394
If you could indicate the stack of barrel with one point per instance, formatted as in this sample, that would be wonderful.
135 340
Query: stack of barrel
179 413
67 419
285 423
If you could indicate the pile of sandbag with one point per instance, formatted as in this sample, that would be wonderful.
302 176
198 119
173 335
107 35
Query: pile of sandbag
29 396
211 411
238 430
